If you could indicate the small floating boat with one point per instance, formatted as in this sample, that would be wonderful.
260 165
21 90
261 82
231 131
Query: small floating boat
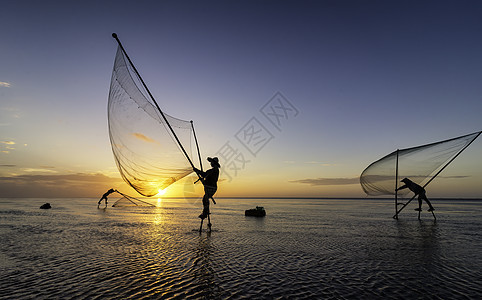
255 212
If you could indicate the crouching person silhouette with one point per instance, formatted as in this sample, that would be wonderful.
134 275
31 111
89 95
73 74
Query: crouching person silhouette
104 197
210 181
418 190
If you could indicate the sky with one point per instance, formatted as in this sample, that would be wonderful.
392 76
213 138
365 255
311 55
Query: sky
358 80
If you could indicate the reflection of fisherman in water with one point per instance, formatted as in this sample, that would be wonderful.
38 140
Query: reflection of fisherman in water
104 197
204 271
418 190
210 182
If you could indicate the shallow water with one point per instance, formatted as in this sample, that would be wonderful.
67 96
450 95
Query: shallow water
303 248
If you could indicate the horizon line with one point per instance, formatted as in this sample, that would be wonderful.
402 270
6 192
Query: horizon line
255 197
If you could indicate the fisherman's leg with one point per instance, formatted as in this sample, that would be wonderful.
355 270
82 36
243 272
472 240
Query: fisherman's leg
206 205
209 222
419 204
205 212
210 196
428 202
100 201
209 190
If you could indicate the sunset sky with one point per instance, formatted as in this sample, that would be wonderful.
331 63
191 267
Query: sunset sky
360 79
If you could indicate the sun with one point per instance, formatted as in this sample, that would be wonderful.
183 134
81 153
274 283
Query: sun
161 192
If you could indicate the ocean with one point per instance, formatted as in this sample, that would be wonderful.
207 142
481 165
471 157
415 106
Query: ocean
302 249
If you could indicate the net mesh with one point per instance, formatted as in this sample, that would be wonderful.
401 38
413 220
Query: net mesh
126 200
417 163
146 153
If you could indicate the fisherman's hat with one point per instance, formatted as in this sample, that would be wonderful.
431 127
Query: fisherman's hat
214 160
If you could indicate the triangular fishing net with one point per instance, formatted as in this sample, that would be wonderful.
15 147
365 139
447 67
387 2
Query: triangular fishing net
146 153
126 200
417 164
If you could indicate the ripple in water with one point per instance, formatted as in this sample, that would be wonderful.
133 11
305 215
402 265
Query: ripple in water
303 249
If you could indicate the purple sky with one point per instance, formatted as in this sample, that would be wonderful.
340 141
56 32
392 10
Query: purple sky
367 77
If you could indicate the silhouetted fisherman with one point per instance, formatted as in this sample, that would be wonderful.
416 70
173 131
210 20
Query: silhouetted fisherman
418 190
104 197
210 182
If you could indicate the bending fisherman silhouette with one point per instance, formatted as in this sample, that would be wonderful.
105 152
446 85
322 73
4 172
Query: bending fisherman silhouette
210 181
418 190
104 197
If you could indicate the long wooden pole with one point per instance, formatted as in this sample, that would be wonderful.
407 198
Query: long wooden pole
396 187
440 171
197 146
153 100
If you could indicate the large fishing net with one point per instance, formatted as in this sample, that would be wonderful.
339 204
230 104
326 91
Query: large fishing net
417 163
146 153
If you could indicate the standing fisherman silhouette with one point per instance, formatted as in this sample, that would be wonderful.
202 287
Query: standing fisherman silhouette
104 197
418 190
210 181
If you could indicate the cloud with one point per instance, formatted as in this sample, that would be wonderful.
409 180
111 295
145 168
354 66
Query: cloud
33 170
77 177
454 177
56 185
324 164
327 181
4 84
8 166
143 137
8 146
356 180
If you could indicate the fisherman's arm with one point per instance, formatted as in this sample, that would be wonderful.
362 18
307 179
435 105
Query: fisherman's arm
199 172
402 187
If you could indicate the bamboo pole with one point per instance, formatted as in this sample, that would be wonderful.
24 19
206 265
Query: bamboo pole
197 145
396 187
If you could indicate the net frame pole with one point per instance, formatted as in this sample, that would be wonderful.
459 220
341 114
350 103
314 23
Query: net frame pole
114 35
440 171
199 156
197 145
396 187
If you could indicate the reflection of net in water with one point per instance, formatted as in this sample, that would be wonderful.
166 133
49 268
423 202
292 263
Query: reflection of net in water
130 201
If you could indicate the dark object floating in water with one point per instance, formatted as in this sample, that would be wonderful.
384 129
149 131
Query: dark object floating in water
45 206
255 212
